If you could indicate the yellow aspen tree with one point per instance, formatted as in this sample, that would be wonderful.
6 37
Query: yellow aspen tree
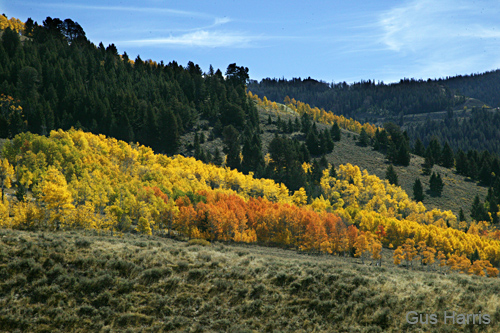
4 214
56 197
376 248
299 197
26 215
361 246
83 217
6 174
143 226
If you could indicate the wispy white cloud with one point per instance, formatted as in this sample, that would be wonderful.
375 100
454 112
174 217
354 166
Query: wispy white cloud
441 38
201 38
422 23
222 20
150 10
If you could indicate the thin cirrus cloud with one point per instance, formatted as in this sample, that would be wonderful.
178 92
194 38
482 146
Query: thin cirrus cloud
149 10
425 23
440 38
201 38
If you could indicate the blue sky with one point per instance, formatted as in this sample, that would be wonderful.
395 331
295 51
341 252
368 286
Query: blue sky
333 41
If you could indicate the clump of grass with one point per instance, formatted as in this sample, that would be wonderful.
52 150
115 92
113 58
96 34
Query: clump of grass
197 241
82 243
152 275
182 266
196 274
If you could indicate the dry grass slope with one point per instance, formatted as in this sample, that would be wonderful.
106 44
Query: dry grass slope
78 281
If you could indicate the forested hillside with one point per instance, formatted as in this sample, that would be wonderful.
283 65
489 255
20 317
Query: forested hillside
469 129
483 86
365 99
88 143
57 78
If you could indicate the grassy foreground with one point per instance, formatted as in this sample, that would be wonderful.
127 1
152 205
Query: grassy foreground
79 281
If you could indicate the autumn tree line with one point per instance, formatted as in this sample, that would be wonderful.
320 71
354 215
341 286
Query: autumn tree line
482 167
75 179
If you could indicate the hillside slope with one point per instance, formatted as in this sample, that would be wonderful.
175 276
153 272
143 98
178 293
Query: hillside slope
78 281
458 191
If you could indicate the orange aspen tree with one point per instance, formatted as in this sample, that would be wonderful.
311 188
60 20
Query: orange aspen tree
428 256
409 252
398 255
478 267
491 271
442 259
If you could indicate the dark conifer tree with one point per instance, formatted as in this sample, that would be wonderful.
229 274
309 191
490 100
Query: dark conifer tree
364 139
231 146
335 132
447 158
461 163
323 163
296 125
404 155
492 203
312 143
169 132
391 175
434 150
305 122
436 184
485 176
478 211
316 172
306 156
428 163
217 158
289 127
418 191
332 172
419 148
472 171
461 216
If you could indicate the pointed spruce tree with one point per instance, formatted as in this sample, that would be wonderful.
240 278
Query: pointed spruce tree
231 146
418 191
419 148
447 158
364 139
436 184
391 175
335 132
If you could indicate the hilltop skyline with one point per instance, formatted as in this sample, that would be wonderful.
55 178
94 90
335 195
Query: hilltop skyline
334 42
